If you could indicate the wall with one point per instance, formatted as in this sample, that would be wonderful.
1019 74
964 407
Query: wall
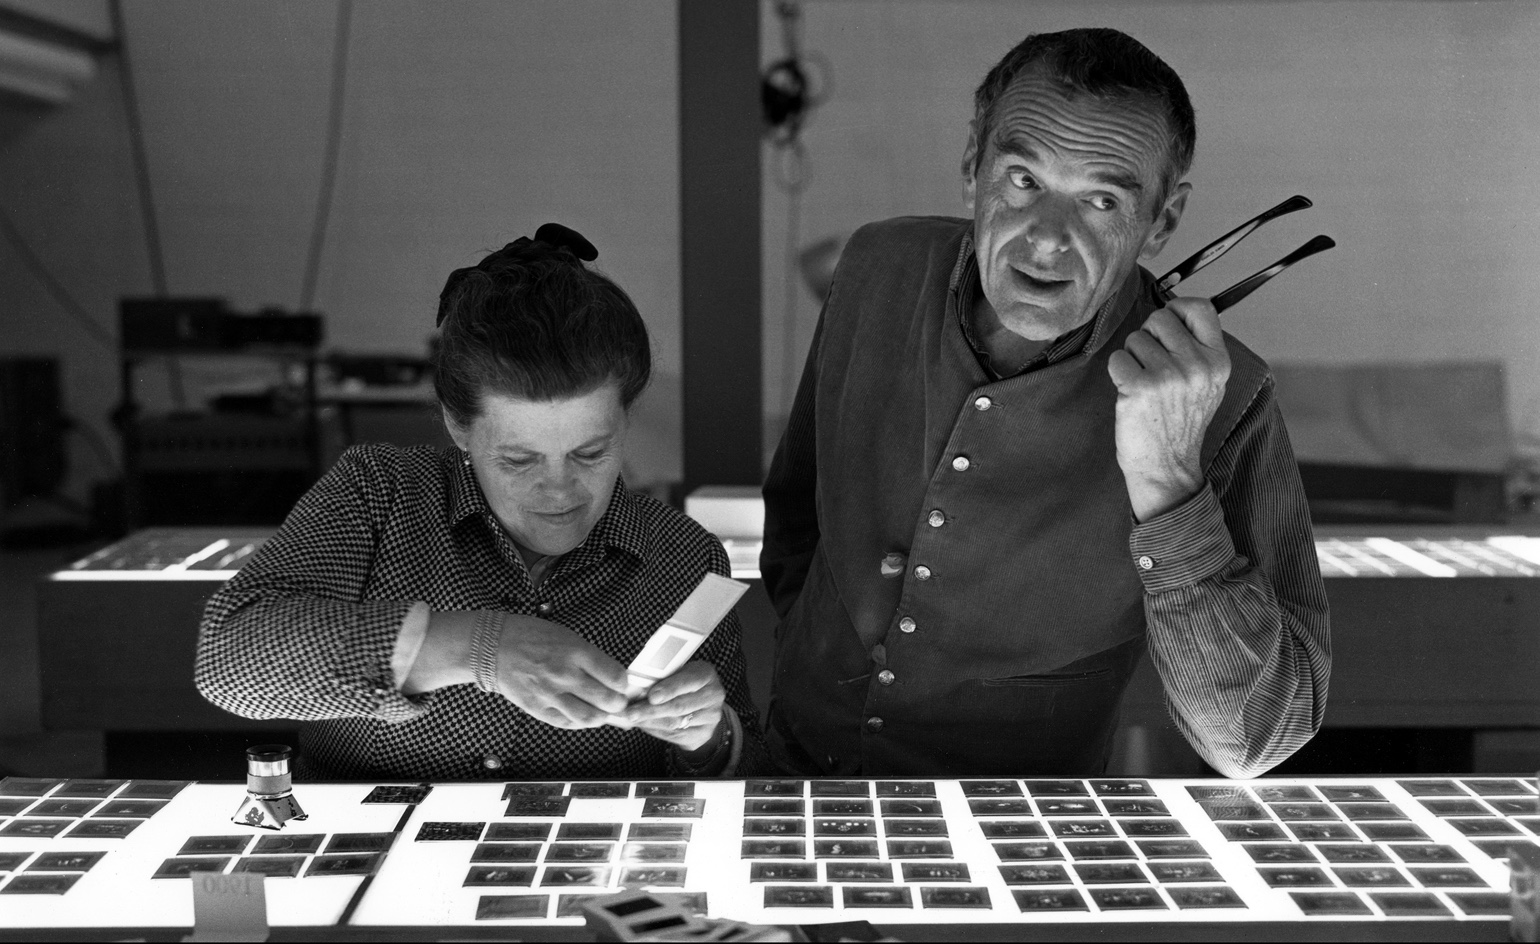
467 125
90 18
1410 124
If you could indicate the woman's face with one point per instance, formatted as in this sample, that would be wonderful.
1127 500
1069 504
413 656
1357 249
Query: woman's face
547 467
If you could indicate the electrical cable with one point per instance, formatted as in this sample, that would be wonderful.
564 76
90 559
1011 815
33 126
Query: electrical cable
147 212
329 161
787 97
94 440
55 288
141 158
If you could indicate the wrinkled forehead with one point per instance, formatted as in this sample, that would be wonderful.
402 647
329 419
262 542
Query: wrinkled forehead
553 426
1039 117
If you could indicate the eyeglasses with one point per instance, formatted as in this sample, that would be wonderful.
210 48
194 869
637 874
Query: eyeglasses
1225 243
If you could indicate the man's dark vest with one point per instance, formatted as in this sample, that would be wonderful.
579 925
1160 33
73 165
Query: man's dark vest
991 514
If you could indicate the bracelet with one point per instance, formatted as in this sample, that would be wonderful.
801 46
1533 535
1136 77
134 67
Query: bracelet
484 645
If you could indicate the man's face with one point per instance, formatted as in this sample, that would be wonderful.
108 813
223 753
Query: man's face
1063 203
547 467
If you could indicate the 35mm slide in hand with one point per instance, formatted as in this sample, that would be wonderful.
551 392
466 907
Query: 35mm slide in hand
677 639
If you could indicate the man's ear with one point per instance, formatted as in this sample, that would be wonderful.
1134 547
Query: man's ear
459 434
1166 222
969 158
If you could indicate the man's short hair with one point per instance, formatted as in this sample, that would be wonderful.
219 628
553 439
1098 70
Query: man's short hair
1108 65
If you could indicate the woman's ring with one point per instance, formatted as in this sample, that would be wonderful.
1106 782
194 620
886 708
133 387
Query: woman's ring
684 722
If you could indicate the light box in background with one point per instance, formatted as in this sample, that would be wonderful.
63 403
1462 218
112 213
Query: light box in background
1449 416
736 515
1384 442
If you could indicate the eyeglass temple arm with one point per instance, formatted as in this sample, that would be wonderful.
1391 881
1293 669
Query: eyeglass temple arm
1225 243
1246 286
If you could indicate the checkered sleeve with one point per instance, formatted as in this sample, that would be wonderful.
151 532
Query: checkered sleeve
1235 604
291 635
724 650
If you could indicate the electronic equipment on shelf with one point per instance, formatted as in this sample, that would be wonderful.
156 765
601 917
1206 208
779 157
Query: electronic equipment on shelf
192 325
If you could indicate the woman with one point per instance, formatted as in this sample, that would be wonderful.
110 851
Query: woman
468 612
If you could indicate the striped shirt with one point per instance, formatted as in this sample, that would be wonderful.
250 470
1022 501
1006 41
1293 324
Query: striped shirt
1235 613
311 628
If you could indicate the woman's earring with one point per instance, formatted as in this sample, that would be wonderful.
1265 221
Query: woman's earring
467 459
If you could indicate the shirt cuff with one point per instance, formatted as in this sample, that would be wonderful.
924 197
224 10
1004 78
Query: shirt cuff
414 630
736 754
1184 546
724 762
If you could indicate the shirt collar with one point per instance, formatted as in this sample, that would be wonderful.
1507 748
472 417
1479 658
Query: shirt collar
621 526
964 282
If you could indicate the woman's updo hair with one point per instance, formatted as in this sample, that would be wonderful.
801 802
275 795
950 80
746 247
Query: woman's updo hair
531 321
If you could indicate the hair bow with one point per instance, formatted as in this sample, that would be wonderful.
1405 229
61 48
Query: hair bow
549 238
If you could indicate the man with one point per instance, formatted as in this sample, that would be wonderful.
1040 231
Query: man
1011 467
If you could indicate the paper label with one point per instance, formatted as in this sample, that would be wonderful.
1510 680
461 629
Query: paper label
229 907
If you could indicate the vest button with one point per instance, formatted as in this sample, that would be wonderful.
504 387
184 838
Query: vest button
885 677
961 463
545 609
906 625
874 724
922 572
936 519
983 403
492 762
1146 562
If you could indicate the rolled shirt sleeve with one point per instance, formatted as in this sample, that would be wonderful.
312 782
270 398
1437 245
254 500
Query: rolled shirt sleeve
414 632
291 635
1235 605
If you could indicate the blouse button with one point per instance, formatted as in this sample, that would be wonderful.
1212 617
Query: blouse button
874 724
983 403
906 625
492 762
1146 562
922 572
961 463
936 519
885 677
545 609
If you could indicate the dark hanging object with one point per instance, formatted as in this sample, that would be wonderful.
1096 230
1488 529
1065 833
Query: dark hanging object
548 238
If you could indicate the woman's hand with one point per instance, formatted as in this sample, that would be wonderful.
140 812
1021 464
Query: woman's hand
558 676
683 709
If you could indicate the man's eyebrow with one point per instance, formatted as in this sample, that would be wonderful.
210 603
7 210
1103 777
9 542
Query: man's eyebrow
1018 147
1124 181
